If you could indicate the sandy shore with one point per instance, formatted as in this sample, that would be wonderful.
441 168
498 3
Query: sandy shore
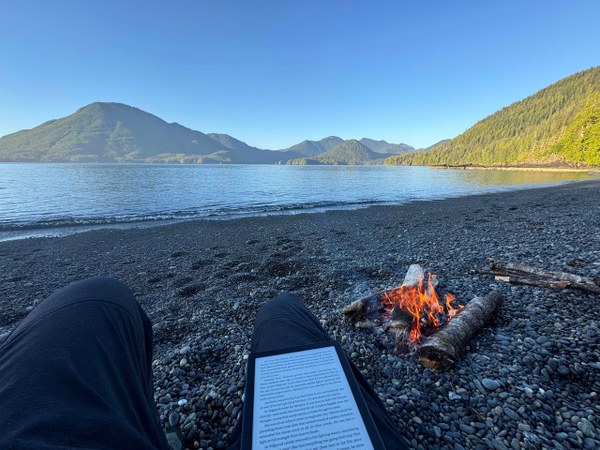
202 282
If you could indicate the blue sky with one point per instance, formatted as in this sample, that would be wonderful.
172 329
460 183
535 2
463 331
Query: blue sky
273 73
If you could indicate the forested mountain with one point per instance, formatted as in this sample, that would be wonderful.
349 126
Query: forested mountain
559 125
385 147
351 152
313 148
114 132
117 132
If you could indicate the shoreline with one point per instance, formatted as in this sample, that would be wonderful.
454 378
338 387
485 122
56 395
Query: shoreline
202 282
595 171
33 231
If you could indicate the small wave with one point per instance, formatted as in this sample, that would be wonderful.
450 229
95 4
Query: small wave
169 216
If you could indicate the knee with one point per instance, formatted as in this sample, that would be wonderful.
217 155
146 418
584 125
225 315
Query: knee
94 288
283 303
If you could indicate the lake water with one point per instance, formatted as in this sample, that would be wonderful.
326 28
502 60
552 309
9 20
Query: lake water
54 199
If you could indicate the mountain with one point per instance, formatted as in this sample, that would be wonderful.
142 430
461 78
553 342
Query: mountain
121 133
559 125
386 147
313 148
114 132
350 152
431 147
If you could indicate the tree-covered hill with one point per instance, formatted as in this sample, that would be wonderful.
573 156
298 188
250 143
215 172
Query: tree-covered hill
559 125
117 132
351 153
386 147
114 132
313 148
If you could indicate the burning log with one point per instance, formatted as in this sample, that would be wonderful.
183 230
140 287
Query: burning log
522 274
400 322
366 307
443 348
398 317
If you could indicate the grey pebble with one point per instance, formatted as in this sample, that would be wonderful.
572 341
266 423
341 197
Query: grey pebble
586 427
490 384
173 419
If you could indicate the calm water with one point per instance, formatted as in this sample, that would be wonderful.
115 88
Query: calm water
50 199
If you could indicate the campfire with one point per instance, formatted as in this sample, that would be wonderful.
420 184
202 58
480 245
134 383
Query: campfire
412 318
418 304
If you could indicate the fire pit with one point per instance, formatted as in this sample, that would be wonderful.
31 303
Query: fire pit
411 318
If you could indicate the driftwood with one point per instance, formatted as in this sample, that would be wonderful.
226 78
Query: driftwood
442 349
522 274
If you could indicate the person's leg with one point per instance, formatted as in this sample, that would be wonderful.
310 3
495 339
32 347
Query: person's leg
285 322
76 373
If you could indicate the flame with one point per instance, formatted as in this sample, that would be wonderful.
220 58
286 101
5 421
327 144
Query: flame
422 304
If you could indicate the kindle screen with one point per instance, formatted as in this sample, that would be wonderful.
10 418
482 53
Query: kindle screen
304 399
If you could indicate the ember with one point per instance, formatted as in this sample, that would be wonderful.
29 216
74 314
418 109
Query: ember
420 303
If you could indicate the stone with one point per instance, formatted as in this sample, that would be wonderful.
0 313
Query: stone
523 426
173 419
586 427
511 413
490 384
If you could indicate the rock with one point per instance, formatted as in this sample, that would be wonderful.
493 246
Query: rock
173 419
182 402
490 384
523 426
586 427
511 414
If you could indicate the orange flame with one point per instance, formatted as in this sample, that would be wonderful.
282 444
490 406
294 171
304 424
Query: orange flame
421 303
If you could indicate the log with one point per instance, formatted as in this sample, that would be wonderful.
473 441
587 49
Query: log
366 307
441 350
522 274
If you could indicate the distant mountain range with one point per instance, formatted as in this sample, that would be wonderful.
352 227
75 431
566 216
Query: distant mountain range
350 153
557 126
114 132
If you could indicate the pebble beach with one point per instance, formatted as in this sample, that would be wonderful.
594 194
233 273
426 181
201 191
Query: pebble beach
529 380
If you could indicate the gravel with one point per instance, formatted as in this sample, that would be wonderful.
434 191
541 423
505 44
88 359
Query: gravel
530 380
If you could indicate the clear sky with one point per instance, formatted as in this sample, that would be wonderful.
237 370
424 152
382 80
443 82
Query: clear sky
273 73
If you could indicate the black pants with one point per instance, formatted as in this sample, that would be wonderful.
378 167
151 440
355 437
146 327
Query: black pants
76 372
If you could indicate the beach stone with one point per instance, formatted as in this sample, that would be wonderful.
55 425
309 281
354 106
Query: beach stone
490 384
511 413
586 427
523 426
173 419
